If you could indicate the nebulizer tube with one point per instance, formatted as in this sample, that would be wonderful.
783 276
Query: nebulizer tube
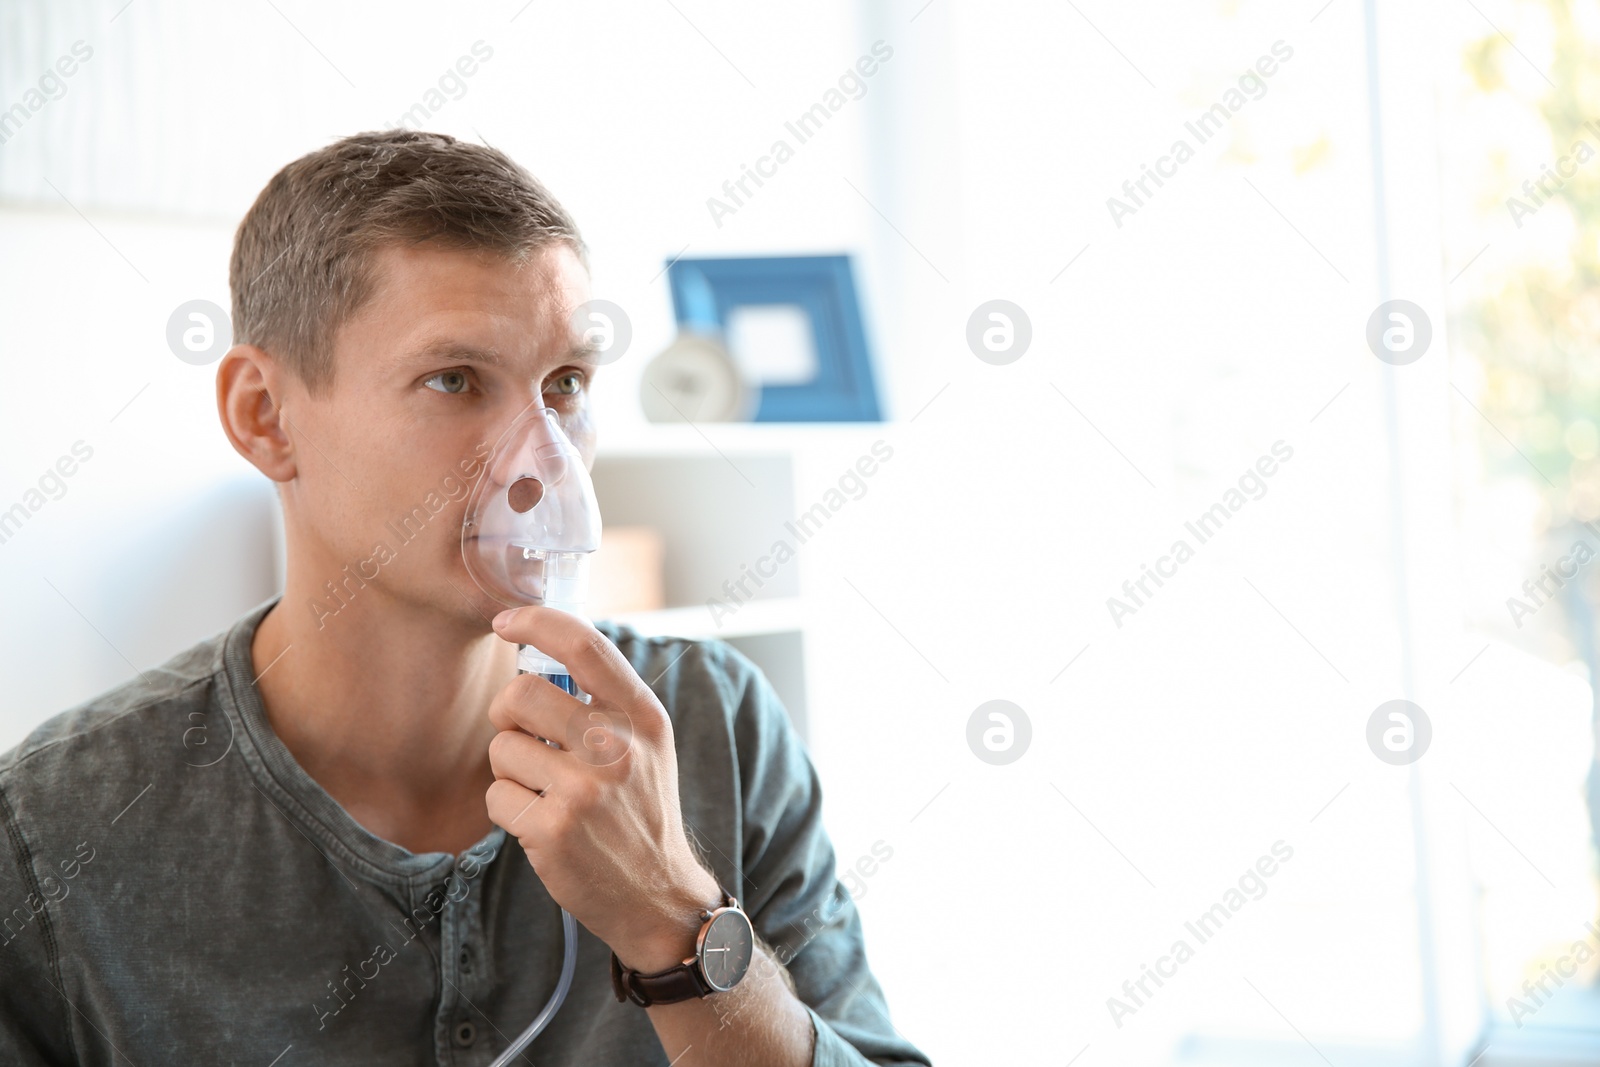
531 524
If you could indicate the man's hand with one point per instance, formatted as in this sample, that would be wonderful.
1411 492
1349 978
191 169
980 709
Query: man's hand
598 816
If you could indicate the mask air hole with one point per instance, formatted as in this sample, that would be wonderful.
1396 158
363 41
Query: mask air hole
524 494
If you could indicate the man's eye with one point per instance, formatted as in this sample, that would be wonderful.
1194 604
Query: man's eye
453 381
567 384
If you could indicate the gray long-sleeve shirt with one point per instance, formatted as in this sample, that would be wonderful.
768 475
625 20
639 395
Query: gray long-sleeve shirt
175 888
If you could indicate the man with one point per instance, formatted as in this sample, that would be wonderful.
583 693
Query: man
289 844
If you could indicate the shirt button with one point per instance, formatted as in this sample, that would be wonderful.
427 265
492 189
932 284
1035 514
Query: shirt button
465 959
465 1033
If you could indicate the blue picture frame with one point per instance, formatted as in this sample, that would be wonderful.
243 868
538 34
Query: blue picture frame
844 389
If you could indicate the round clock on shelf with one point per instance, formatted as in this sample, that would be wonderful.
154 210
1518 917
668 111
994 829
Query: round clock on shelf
694 379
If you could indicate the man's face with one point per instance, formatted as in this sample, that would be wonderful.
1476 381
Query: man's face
449 350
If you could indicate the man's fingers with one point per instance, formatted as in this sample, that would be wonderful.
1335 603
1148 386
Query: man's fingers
513 807
594 661
525 760
530 703
598 734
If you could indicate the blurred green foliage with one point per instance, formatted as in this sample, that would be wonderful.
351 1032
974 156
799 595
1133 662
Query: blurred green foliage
1537 334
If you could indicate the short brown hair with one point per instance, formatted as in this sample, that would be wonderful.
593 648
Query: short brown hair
301 262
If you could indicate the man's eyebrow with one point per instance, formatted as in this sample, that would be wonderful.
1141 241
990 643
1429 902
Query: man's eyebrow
583 351
454 350
446 350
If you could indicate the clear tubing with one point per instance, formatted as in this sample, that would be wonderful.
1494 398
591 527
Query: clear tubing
569 964
569 926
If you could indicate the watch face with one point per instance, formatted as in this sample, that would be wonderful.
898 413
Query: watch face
725 949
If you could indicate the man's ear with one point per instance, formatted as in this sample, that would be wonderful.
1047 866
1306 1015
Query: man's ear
248 403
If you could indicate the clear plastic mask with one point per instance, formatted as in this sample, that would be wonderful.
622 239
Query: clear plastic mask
532 522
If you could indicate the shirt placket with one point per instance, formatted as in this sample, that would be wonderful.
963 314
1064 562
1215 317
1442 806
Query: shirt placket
460 1029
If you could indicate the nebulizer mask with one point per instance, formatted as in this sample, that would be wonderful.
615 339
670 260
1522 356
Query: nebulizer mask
532 523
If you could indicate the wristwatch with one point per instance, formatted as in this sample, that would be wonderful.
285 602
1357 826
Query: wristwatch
721 957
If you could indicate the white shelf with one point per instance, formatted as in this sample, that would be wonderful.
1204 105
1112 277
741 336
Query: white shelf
671 439
720 496
753 618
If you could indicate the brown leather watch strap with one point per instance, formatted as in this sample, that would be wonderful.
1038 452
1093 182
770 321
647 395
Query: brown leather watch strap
679 982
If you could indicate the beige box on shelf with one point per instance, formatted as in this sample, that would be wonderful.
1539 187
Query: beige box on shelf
626 573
